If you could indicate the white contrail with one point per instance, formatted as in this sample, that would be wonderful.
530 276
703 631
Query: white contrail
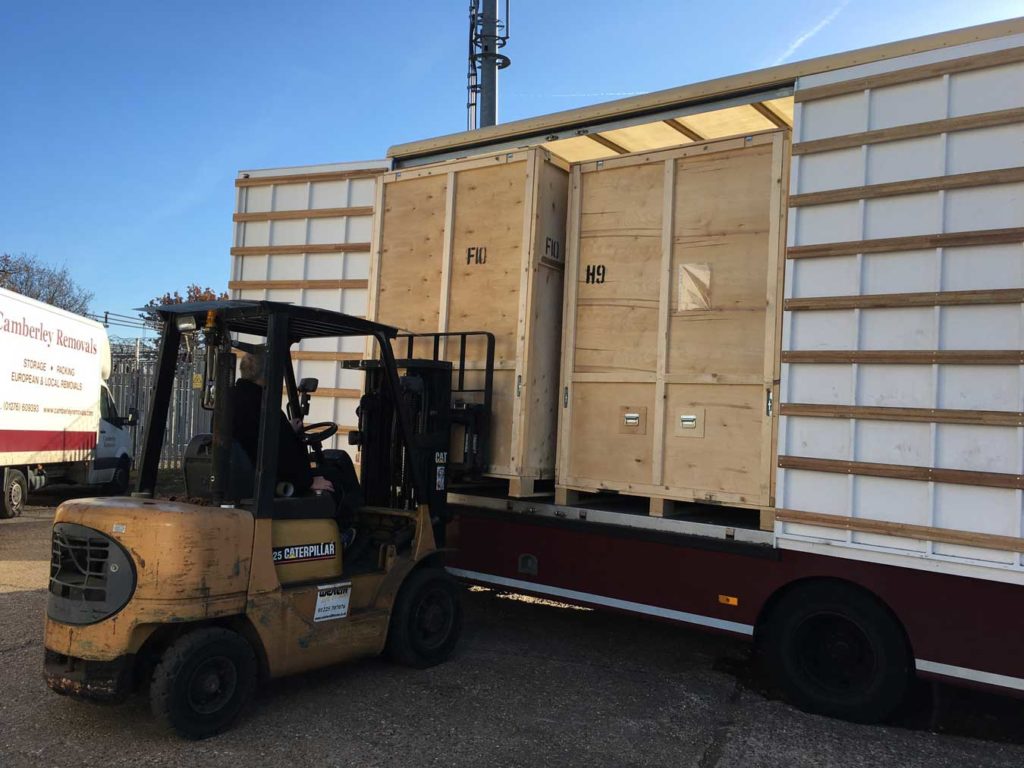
812 32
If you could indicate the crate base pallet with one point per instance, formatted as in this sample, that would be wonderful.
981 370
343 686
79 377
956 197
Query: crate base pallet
514 486
708 510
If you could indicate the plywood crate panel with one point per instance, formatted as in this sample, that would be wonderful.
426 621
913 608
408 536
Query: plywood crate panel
669 349
901 434
478 245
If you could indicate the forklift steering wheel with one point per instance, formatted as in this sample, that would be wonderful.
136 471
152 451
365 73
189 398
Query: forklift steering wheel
315 434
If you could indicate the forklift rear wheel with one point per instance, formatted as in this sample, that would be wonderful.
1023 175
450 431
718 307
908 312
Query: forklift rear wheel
15 493
427 619
835 650
203 681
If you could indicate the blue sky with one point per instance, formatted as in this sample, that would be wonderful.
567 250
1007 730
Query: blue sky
123 122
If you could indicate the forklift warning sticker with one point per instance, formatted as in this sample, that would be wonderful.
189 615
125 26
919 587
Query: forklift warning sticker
304 553
332 601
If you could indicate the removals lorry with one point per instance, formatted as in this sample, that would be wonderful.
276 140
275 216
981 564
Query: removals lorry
790 393
58 423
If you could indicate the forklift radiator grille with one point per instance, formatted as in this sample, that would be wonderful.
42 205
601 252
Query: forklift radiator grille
92 576
78 566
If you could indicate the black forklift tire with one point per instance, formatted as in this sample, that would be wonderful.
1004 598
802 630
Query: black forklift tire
121 481
15 493
426 621
203 681
835 650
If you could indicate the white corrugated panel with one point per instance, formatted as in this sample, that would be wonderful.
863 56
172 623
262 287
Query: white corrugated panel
901 434
302 235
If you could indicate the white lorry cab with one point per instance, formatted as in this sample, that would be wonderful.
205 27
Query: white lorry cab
58 422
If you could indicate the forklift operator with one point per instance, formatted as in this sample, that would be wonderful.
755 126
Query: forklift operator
292 456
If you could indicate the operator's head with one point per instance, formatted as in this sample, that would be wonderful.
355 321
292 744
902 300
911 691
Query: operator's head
251 367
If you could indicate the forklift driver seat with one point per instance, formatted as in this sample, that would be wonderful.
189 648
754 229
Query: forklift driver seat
198 467
342 473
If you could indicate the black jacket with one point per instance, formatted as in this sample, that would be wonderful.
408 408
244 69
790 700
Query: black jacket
292 455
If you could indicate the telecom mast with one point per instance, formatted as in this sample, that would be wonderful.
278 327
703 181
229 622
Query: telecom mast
487 35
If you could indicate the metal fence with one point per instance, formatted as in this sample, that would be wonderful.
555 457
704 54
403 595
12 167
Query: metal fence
131 382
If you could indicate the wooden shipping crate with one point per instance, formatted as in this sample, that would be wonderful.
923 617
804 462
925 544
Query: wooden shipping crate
670 346
478 245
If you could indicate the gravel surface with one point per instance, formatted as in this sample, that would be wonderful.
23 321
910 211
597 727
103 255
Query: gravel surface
534 683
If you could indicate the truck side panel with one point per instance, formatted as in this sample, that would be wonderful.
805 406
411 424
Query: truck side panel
902 402
50 375
965 628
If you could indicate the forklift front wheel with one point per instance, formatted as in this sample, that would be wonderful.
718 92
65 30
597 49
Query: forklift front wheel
427 619
203 681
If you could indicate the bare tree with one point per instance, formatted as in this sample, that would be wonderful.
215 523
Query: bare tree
193 292
28 276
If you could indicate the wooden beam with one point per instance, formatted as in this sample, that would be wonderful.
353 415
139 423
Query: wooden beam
275 250
913 131
911 243
771 114
312 213
913 74
908 357
663 349
919 415
303 178
239 285
906 530
684 129
894 300
354 394
904 472
329 356
910 187
533 130
607 143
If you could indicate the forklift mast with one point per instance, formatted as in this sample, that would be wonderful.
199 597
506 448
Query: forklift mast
449 407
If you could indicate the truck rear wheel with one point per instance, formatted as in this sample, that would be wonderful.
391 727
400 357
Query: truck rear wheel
427 619
15 493
836 651
203 681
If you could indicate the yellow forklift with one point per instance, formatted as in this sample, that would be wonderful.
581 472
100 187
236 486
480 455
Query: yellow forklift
198 598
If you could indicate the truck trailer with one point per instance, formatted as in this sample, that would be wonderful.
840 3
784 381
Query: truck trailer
790 400
58 421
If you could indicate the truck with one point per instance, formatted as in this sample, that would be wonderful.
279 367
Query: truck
58 421
805 426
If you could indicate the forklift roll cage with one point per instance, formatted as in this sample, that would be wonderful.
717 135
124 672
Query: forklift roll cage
281 325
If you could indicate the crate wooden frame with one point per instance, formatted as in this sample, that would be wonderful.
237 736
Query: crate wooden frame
660 496
527 436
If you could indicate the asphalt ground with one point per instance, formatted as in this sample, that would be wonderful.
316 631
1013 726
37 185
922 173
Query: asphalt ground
533 683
